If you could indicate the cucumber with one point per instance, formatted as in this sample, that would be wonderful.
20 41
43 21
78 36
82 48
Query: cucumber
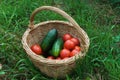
57 46
48 40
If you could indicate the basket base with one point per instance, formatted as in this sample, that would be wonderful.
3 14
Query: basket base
55 71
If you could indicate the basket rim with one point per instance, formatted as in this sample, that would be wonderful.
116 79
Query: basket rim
41 59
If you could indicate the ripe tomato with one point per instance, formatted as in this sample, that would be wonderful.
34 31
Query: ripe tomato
74 52
64 53
50 57
36 49
69 44
66 37
77 48
76 41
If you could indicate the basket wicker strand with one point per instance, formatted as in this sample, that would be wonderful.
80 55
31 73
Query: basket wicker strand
36 32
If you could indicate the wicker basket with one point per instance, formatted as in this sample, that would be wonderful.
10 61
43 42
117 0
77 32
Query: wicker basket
35 33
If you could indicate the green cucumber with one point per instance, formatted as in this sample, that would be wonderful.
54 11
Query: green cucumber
57 46
48 40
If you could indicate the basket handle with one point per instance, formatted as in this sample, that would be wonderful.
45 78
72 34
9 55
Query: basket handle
57 10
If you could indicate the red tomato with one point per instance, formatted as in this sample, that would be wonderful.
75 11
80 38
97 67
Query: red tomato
64 53
77 48
76 41
58 58
50 57
36 49
69 44
66 37
73 53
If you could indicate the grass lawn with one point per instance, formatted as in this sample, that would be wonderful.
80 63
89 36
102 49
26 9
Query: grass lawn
98 18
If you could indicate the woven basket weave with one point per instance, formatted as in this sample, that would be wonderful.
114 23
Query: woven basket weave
36 32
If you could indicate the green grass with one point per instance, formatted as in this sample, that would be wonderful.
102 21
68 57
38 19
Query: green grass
99 20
